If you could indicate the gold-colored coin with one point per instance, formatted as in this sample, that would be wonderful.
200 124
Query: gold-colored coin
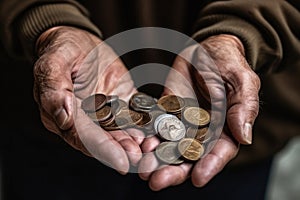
196 116
167 153
190 149
198 134
171 103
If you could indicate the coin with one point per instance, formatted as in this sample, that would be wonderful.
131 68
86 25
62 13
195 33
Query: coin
190 149
146 119
101 115
93 102
108 121
131 116
118 105
125 119
111 99
196 116
142 102
171 128
171 103
167 152
112 126
159 116
198 134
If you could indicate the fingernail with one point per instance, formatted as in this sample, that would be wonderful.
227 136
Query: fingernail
61 118
122 172
248 133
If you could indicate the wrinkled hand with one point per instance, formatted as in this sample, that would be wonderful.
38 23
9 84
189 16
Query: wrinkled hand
69 69
233 87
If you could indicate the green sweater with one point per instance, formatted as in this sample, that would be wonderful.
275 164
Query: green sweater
269 30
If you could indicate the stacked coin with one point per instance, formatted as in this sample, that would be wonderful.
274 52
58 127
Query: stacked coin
172 104
180 124
142 102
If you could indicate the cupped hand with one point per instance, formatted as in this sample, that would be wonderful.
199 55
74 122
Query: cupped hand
73 64
223 82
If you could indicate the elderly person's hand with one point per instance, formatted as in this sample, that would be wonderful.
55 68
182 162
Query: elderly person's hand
233 87
73 64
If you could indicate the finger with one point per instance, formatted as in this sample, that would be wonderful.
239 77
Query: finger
137 135
149 162
132 148
147 165
169 176
243 106
101 145
210 165
150 144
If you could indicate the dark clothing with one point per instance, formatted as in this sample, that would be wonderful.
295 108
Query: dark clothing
268 29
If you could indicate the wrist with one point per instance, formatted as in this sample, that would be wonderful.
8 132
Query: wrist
226 39
63 34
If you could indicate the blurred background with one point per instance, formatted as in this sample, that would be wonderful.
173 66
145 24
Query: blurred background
284 180
34 161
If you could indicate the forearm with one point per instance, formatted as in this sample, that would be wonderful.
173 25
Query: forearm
264 27
24 21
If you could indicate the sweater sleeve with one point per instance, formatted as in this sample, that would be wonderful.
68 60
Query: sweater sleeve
24 21
268 29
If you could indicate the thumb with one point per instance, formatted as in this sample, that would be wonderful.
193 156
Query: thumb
243 107
54 92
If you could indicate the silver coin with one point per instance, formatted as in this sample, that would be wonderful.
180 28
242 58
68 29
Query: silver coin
142 102
158 118
117 106
167 152
171 128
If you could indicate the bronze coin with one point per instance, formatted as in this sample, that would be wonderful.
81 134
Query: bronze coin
111 99
93 102
171 103
124 119
190 149
196 116
112 126
108 121
101 115
131 116
170 128
198 134
146 119
167 153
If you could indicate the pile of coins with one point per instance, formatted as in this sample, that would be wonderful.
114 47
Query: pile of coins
179 122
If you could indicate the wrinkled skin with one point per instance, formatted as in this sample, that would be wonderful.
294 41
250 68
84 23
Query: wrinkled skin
65 72
241 92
